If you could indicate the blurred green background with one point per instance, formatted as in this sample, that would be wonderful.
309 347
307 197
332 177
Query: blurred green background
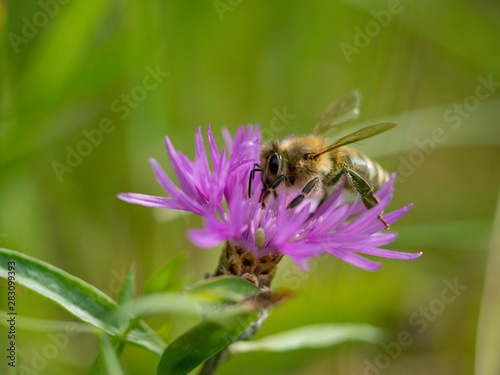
69 67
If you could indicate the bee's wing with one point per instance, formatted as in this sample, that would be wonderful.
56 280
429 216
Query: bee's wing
341 110
366 132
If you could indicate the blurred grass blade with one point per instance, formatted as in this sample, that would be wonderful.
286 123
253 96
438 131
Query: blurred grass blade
167 277
75 295
128 290
165 303
122 316
45 325
487 360
312 336
477 130
107 360
443 35
204 341
110 357
45 77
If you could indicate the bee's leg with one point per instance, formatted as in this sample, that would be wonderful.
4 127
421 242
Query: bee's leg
256 168
335 180
272 187
306 190
366 192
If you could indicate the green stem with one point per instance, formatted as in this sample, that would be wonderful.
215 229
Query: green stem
211 364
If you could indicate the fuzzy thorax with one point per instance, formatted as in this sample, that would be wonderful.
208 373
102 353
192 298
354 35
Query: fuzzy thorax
296 166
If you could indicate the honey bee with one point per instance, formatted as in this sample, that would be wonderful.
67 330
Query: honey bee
317 166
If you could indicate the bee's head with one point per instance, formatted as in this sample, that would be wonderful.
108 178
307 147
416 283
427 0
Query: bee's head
271 162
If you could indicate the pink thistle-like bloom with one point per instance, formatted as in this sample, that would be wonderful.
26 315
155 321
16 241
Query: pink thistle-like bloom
218 193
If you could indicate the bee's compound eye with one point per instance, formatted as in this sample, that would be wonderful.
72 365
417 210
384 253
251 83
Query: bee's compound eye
274 163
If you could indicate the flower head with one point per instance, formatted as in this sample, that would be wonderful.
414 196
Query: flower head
218 193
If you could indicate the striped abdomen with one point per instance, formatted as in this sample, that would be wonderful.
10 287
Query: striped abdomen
369 170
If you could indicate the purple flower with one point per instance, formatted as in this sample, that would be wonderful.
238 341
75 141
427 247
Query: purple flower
218 193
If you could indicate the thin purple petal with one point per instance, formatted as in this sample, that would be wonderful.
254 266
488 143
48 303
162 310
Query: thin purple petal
389 253
150 201
187 203
355 259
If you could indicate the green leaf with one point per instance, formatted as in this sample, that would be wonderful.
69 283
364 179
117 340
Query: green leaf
166 278
312 336
204 341
230 286
75 295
